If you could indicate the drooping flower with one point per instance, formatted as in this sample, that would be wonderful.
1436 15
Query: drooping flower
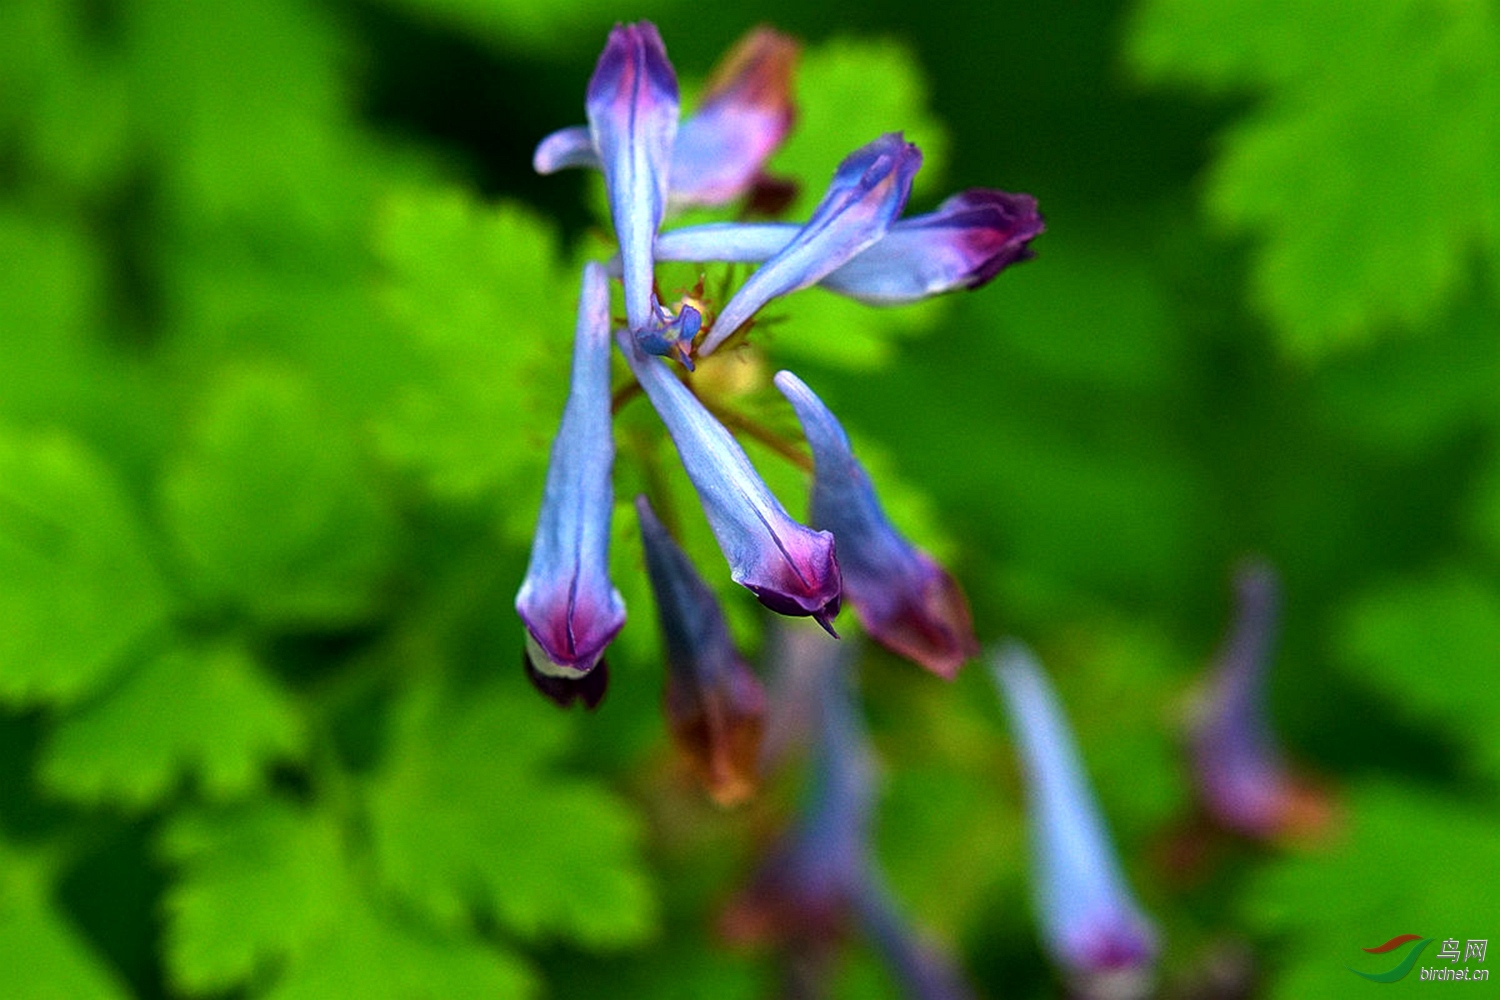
791 569
972 237
803 893
715 705
868 191
1090 922
1245 783
904 599
647 158
570 608
818 882
919 966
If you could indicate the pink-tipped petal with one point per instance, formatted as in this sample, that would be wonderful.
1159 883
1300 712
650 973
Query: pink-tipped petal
569 607
791 569
743 117
904 599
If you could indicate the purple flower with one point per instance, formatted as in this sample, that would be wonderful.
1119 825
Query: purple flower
632 111
905 600
922 969
715 705
1090 922
867 193
972 237
804 891
741 119
818 881
633 136
791 569
1245 784
569 607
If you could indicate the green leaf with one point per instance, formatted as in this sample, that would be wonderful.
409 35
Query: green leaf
482 296
1367 175
272 508
210 712
245 105
267 897
1408 862
470 809
62 94
42 957
1428 645
78 591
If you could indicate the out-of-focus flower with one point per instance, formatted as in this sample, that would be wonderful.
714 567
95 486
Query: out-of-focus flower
742 118
818 882
1090 922
804 891
715 705
919 966
971 237
570 608
634 137
790 569
1245 783
868 191
905 600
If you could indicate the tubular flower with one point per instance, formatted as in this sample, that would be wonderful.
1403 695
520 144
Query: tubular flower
905 600
715 705
1090 922
790 569
804 891
867 193
924 971
634 137
972 237
570 608
743 117
818 882
1245 784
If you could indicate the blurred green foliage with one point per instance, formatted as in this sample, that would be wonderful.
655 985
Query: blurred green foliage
284 335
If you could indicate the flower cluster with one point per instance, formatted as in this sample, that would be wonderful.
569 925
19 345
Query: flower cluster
855 243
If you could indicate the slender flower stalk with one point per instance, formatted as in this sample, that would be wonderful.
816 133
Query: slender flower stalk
715 705
970 239
867 193
904 599
1244 781
790 569
570 608
1090 922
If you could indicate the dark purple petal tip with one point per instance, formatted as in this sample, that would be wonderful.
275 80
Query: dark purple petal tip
997 227
588 688
633 55
924 618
